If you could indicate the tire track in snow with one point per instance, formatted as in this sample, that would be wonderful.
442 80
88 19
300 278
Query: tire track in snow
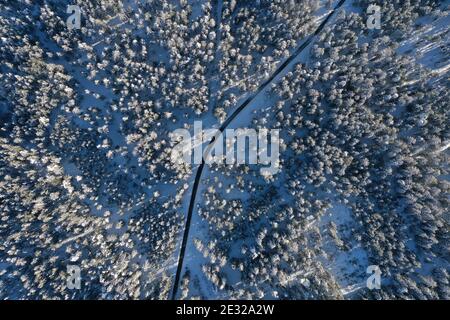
222 128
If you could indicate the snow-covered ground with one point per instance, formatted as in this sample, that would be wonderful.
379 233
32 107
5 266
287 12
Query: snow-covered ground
86 176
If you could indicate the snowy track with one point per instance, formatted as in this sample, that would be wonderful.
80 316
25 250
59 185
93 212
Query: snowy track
222 128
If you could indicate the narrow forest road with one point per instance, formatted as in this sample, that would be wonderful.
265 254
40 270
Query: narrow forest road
222 128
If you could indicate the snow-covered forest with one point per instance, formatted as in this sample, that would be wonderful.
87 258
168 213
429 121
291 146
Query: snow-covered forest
86 177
